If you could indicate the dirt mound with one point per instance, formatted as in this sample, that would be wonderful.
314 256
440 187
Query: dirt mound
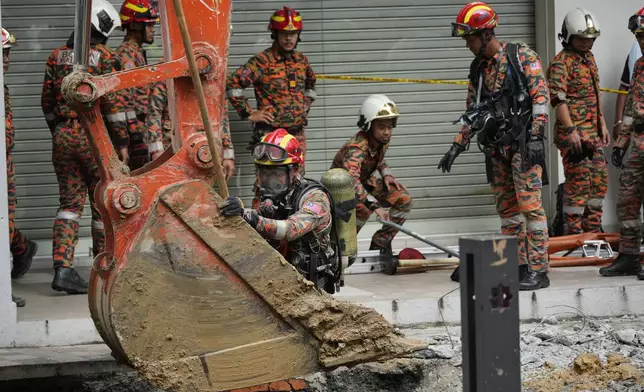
587 373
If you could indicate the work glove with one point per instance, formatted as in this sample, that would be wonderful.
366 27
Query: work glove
618 156
233 206
587 152
535 152
446 162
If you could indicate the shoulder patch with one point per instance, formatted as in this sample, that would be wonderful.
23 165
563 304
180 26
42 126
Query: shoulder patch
535 66
313 208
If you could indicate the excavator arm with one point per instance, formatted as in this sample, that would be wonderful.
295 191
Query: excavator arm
192 300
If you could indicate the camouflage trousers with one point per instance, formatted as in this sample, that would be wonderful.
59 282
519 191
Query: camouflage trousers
301 137
18 242
77 175
399 203
518 202
138 150
631 197
584 191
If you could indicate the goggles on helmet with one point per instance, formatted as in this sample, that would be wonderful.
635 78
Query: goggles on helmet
635 22
271 151
461 29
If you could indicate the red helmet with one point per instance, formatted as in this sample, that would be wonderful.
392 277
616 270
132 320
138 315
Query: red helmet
285 19
473 18
278 148
636 22
8 39
143 11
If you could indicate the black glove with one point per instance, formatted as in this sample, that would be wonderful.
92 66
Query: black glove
448 159
587 152
535 152
232 206
618 156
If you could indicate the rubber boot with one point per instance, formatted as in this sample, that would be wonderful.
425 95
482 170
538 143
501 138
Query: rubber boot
386 258
69 281
534 281
20 302
624 265
22 262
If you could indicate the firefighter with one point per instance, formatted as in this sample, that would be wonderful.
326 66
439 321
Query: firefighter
74 164
295 214
580 129
362 156
631 186
21 248
511 112
147 134
283 80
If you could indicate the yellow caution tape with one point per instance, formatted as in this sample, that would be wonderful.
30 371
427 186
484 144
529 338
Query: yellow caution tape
421 81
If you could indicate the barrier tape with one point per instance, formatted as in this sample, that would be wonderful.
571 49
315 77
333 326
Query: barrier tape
421 81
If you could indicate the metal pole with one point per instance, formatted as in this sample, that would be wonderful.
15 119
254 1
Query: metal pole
418 237
82 33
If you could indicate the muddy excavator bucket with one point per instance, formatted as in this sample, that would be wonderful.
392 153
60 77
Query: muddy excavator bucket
192 300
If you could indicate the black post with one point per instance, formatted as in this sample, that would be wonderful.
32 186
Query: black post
490 314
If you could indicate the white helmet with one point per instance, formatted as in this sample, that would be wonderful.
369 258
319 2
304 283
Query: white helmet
105 18
579 22
8 39
377 106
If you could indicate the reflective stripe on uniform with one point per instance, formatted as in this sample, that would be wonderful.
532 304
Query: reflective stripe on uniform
595 202
628 120
67 215
98 225
630 224
311 94
116 117
235 92
513 220
280 232
398 214
386 172
572 210
229 153
154 147
537 225
539 109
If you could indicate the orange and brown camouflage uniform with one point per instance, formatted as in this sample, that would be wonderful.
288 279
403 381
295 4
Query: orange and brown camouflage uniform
18 242
573 79
517 191
158 118
75 167
362 161
285 85
631 182
142 141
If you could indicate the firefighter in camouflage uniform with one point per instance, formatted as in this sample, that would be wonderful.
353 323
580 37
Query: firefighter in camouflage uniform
284 84
147 106
631 182
75 167
295 214
362 156
580 130
508 98
22 250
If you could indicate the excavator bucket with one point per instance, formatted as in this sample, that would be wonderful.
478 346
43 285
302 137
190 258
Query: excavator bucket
192 300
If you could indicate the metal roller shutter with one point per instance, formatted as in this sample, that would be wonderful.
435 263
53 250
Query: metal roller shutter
405 39
409 39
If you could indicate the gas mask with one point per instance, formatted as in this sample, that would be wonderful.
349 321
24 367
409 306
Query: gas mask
274 184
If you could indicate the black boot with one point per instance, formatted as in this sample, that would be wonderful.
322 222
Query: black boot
624 265
386 258
22 262
69 281
640 275
534 281
20 302
523 271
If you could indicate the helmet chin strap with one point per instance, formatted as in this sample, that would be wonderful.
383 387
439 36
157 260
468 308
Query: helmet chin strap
485 38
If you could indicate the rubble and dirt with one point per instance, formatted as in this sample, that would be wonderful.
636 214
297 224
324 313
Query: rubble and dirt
557 354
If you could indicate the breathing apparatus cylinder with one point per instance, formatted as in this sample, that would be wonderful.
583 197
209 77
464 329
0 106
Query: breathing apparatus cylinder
340 184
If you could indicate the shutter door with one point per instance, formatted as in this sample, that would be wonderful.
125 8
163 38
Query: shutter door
411 39
40 27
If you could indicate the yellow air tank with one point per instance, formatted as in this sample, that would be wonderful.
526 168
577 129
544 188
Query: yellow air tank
341 186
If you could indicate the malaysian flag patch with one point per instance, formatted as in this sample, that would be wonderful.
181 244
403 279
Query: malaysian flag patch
313 208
